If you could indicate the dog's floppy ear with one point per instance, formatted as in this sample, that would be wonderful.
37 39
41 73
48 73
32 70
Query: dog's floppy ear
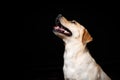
86 37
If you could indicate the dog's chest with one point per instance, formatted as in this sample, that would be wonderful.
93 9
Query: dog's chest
74 67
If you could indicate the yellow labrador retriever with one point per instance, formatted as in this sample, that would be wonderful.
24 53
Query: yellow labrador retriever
78 63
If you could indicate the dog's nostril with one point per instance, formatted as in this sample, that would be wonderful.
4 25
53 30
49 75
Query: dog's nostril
57 21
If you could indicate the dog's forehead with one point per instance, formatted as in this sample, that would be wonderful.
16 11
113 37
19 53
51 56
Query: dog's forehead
77 24
71 23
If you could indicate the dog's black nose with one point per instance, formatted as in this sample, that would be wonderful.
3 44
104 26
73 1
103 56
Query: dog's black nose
59 15
57 18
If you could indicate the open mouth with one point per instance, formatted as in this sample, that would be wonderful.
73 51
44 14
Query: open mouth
62 29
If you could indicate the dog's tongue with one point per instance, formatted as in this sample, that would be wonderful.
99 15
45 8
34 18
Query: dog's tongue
56 27
60 29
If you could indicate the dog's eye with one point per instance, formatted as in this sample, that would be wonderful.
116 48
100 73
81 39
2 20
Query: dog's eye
73 21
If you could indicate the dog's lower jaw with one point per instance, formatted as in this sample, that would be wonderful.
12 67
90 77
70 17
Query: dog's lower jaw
73 47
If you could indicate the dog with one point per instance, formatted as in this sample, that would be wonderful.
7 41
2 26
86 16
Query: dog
78 63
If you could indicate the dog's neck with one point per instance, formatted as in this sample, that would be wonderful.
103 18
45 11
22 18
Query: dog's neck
72 47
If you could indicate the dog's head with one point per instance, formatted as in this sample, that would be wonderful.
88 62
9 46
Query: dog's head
71 30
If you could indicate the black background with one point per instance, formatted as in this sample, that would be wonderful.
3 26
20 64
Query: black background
43 51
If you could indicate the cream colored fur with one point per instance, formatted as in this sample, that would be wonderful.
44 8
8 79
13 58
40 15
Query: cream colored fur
78 63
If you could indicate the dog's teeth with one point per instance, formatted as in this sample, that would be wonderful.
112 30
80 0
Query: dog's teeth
65 32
